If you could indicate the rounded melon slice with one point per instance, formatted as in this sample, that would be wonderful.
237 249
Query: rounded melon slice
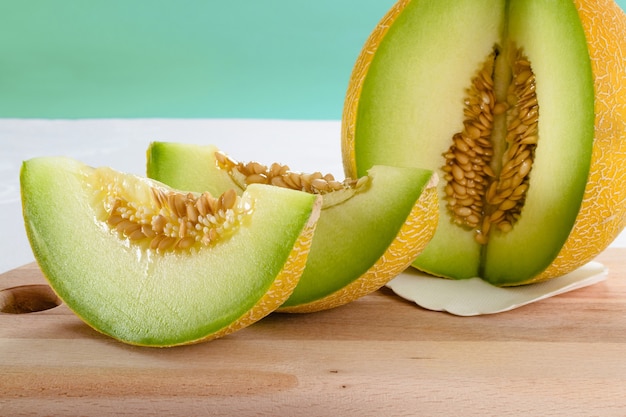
369 230
152 266
519 105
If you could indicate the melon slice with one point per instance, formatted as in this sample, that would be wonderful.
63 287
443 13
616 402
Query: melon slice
149 265
369 230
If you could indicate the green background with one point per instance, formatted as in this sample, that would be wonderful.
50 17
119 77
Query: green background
283 59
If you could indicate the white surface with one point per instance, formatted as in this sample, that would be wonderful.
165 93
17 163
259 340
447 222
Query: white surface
472 297
121 144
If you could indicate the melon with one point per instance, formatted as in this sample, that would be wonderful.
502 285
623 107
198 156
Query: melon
370 228
150 265
520 107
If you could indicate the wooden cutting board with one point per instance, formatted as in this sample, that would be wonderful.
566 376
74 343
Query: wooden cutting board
379 356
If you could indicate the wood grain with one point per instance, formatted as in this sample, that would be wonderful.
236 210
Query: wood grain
378 356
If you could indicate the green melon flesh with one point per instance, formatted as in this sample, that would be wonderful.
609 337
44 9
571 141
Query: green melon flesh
411 104
349 238
141 296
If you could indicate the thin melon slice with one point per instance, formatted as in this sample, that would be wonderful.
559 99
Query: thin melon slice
167 282
369 230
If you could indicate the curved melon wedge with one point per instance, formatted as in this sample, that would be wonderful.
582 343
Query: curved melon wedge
365 236
142 291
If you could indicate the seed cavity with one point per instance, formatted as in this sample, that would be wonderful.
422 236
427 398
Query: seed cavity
487 183
167 220
280 175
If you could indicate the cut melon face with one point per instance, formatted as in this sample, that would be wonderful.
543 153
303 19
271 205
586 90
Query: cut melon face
366 235
411 104
169 294
164 160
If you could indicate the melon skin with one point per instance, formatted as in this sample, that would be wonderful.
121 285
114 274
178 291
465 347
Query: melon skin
405 99
143 297
359 244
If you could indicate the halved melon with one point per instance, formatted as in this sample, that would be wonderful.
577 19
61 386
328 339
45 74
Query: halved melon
369 230
520 106
149 265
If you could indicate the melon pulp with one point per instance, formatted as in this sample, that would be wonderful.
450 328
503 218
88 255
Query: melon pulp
409 96
161 296
365 235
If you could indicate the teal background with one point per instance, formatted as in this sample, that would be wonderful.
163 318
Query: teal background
283 59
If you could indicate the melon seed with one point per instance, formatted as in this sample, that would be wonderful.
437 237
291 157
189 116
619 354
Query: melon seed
173 220
500 200
281 176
